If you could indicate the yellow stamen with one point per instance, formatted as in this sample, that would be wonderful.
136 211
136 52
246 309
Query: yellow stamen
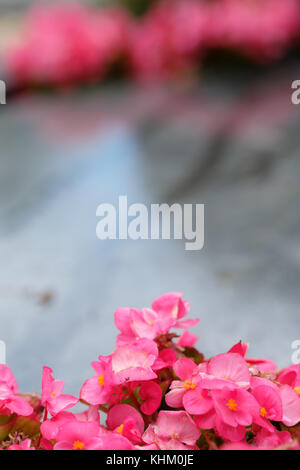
78 445
101 380
151 323
52 394
120 429
189 385
175 436
297 390
232 405
263 412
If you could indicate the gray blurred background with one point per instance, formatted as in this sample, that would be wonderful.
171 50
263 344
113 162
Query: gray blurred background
230 140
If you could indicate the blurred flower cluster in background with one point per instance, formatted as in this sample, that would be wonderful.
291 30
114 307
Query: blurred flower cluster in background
68 44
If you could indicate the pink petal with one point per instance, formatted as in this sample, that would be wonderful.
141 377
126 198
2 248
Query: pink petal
118 413
18 405
93 393
151 394
291 405
123 320
230 366
196 402
174 397
187 323
184 368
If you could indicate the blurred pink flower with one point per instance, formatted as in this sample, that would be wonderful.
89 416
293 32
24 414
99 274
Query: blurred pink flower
65 44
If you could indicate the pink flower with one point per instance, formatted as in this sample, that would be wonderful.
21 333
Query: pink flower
270 440
230 433
171 308
242 405
7 378
126 421
198 402
235 407
98 389
51 427
151 395
166 358
147 323
185 369
261 365
290 394
235 410
270 404
78 44
166 40
195 400
77 435
291 376
290 404
52 397
173 430
135 324
114 441
133 361
228 370
235 25
10 402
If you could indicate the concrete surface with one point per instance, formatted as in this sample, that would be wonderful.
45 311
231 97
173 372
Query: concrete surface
228 142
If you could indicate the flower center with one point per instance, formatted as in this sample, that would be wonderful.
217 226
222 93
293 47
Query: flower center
175 436
120 429
78 445
189 385
263 412
232 405
297 390
101 380
52 394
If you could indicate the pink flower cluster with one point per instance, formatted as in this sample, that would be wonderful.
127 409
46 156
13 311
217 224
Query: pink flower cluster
67 44
157 391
